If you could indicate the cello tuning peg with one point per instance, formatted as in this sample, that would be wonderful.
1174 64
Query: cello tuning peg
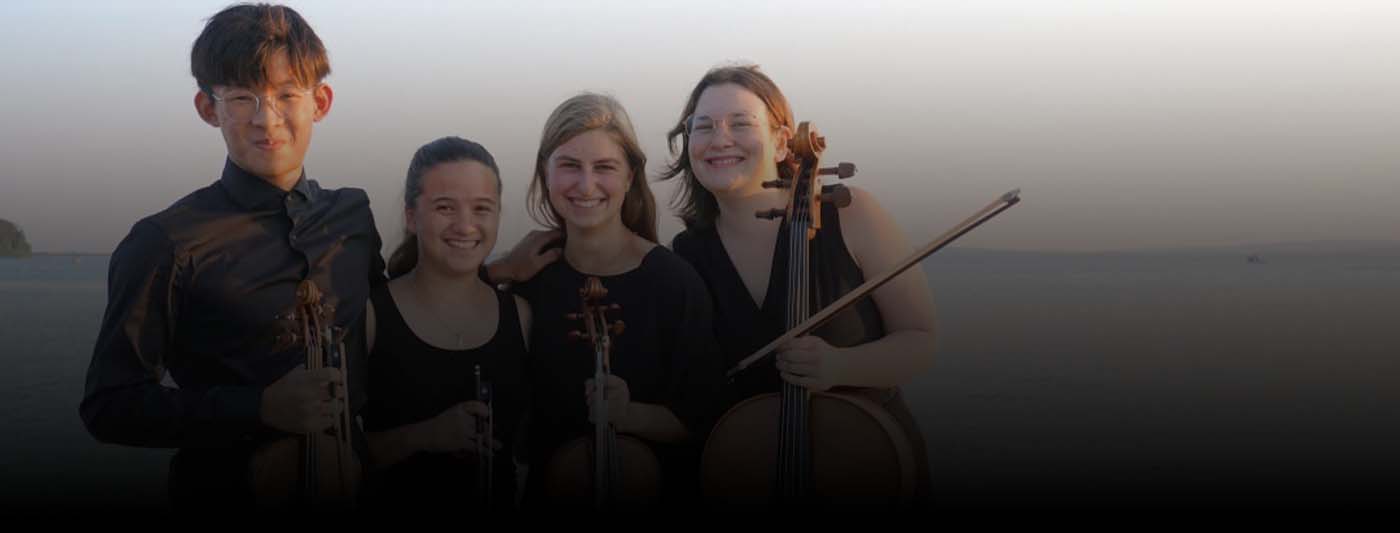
837 195
777 184
842 170
769 214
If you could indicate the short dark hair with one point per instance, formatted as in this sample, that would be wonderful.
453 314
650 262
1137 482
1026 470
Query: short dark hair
239 42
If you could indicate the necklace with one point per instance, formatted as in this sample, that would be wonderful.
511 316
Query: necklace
459 335
438 315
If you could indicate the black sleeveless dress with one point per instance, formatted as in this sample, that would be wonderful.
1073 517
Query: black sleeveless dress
743 327
411 381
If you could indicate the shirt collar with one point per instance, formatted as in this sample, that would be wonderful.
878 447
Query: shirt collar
253 192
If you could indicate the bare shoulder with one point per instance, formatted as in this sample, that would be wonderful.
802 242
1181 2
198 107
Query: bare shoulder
522 311
522 308
865 210
370 325
870 232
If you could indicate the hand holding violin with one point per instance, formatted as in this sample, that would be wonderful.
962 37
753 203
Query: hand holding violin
304 401
619 401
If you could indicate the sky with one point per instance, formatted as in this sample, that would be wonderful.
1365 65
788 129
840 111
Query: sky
1126 125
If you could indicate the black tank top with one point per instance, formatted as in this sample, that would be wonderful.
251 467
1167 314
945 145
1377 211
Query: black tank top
411 381
742 327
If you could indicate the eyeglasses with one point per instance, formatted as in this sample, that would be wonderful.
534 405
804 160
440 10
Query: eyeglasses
243 104
702 128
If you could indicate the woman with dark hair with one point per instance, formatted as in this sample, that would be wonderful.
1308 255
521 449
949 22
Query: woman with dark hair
434 330
732 136
667 385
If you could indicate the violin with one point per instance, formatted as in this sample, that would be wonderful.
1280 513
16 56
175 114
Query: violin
608 469
315 469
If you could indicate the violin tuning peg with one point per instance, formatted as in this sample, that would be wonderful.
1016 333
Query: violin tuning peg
284 342
573 316
837 195
770 214
777 184
842 170
617 328
575 335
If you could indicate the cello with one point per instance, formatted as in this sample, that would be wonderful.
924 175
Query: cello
798 446
608 469
828 447
316 469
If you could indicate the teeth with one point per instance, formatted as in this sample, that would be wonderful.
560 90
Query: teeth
463 244
726 161
592 202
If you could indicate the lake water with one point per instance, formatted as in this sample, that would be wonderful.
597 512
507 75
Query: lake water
1074 378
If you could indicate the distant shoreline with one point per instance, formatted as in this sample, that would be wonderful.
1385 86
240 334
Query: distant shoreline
1280 247
69 254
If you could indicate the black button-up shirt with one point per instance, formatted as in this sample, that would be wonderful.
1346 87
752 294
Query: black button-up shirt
199 290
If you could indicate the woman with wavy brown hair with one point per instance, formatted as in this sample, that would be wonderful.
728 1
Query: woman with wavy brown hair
731 137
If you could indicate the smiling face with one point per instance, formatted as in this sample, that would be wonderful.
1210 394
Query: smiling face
456 216
272 141
733 145
588 178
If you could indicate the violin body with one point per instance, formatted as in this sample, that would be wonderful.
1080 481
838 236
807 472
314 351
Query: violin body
280 479
570 476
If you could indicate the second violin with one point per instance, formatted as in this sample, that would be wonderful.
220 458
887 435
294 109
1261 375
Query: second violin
605 468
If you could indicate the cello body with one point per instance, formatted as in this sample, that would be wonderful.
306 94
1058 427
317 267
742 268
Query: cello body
860 453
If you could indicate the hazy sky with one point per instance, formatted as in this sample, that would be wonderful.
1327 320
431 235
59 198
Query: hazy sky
1126 124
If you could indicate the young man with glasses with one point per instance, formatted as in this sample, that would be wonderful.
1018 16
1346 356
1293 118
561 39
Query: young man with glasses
200 348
